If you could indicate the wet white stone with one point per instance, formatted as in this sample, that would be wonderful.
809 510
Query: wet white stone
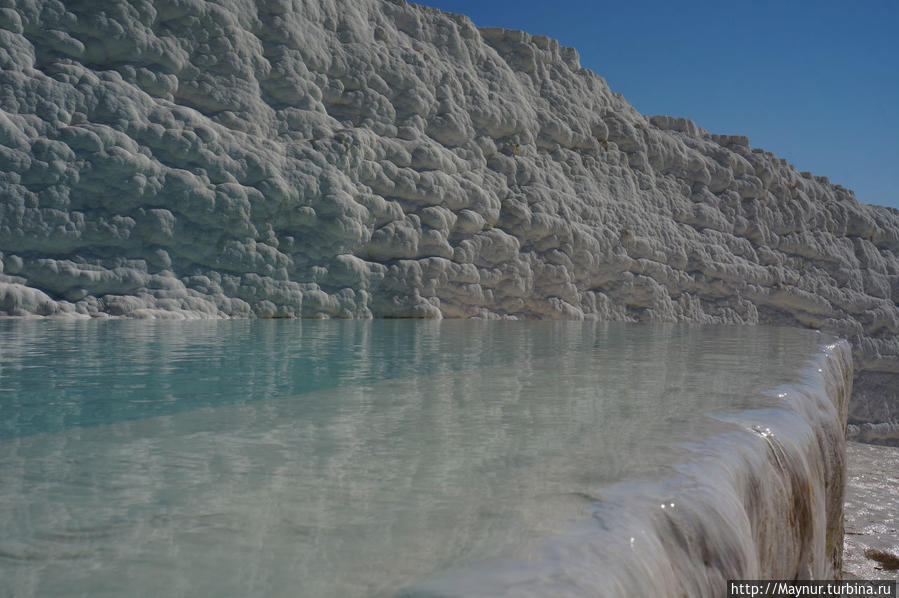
374 158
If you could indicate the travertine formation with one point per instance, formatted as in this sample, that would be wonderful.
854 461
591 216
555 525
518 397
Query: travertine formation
329 158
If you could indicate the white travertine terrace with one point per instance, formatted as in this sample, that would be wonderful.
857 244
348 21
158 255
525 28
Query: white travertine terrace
420 459
328 158
745 510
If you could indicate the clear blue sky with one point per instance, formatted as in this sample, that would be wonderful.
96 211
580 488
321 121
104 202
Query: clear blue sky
813 81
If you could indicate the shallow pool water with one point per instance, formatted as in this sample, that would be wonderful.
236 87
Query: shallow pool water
341 458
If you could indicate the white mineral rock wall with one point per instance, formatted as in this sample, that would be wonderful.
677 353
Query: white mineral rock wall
372 158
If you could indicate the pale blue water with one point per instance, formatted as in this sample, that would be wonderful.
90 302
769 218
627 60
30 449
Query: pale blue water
326 458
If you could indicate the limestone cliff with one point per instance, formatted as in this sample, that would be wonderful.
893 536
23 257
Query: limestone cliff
371 158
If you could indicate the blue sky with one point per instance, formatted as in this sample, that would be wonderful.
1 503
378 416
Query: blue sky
814 81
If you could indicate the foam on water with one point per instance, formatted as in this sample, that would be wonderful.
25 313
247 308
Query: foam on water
419 458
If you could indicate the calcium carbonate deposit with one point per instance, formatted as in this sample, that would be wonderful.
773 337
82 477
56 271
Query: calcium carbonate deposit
371 158
420 459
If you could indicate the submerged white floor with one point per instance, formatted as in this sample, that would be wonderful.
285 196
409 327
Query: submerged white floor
360 458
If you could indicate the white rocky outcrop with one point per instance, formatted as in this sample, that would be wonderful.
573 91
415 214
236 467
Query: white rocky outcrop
328 158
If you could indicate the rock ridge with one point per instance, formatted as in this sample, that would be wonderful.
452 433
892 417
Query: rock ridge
324 158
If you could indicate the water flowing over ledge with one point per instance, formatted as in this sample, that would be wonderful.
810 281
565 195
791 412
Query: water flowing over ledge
417 458
764 503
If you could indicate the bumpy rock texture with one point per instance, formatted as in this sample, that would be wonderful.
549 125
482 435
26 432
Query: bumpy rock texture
329 158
